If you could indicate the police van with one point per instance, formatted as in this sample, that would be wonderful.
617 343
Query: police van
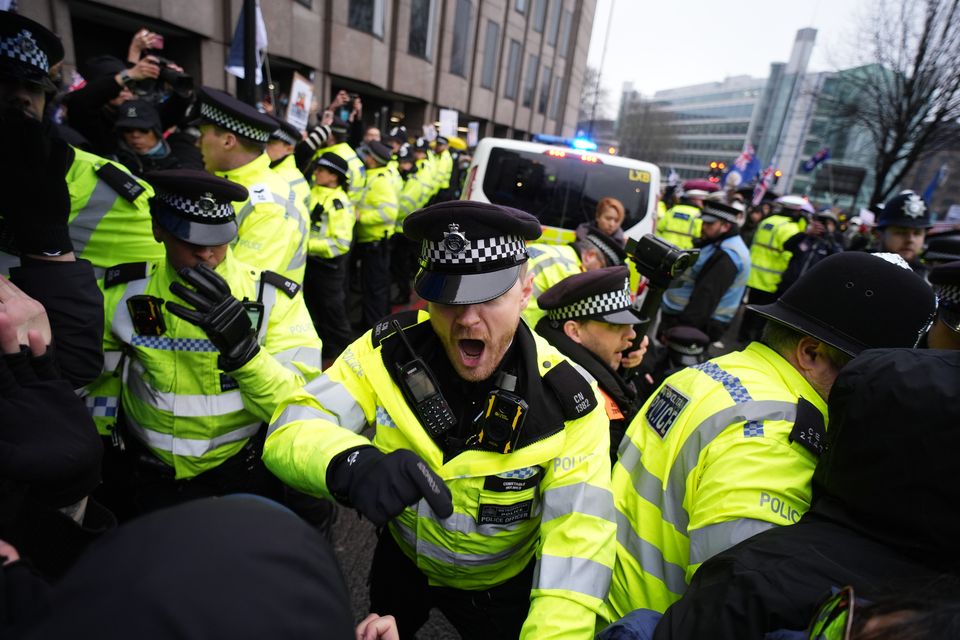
561 184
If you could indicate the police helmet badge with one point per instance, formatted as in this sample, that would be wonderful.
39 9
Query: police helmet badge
914 206
454 241
206 202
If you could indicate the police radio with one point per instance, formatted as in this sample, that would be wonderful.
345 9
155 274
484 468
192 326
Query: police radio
420 388
503 416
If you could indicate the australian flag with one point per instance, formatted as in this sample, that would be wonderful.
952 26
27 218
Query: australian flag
746 166
820 156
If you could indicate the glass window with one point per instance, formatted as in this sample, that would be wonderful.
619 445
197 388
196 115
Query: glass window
539 15
530 82
520 6
366 15
555 100
565 24
490 44
420 41
513 71
544 89
554 24
461 38
561 192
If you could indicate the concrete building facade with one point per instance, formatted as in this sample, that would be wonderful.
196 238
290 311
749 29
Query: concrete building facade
514 66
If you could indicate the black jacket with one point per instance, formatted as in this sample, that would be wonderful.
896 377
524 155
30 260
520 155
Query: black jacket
883 517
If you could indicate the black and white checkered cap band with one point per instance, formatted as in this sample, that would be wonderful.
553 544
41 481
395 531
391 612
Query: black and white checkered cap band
480 251
24 48
612 258
205 209
326 163
592 306
948 295
231 123
283 136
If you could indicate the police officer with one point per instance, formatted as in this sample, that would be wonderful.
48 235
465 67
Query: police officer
945 332
403 252
272 232
377 211
396 139
426 168
726 449
444 165
210 346
484 466
331 234
680 226
551 263
336 142
109 220
280 147
769 259
590 320
902 228
709 293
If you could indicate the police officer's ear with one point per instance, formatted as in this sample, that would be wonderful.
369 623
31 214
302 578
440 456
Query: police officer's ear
572 329
526 286
815 362
157 232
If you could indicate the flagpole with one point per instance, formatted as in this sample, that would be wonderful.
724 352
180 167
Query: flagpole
247 87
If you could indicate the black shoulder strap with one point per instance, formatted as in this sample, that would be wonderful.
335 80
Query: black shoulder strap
124 184
337 204
285 284
574 393
123 273
384 329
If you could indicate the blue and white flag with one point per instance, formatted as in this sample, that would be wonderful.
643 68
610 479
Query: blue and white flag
745 167
938 179
235 57
820 156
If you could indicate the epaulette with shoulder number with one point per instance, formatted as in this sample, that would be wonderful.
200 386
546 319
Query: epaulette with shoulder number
285 284
573 391
384 329
124 273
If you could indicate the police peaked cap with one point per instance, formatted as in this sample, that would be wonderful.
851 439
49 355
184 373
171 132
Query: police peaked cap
906 209
855 301
285 132
719 211
27 50
195 206
942 248
335 164
471 252
376 150
610 249
945 279
601 294
236 116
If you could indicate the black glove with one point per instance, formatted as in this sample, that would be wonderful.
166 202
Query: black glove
220 315
381 485
36 205
48 441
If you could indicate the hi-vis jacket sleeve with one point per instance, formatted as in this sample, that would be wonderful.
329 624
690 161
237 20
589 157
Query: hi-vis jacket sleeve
289 355
577 535
319 421
273 239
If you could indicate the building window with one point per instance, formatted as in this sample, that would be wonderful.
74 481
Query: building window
491 40
421 29
520 6
555 100
530 82
513 71
544 89
539 15
367 15
307 3
554 25
461 38
565 24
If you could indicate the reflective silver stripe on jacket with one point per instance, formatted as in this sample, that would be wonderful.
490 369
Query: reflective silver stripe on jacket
122 325
572 574
181 405
87 219
296 413
581 498
649 557
335 399
708 541
189 446
448 556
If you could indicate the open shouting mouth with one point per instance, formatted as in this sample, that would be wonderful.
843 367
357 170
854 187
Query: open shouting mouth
471 351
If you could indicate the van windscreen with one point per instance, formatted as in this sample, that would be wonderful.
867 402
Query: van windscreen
563 191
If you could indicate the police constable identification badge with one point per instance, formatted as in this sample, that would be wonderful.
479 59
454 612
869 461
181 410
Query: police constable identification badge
454 241
665 409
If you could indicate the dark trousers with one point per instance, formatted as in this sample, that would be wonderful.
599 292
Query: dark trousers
752 324
399 589
324 292
374 280
403 263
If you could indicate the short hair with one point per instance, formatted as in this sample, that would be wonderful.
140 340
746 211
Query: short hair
784 339
611 203
248 145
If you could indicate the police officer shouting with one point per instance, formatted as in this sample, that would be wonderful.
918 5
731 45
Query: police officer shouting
487 463
727 448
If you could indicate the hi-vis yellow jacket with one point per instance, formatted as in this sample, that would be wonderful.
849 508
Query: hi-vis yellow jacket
299 187
378 207
174 398
551 497
331 222
680 225
722 451
768 258
272 232
548 264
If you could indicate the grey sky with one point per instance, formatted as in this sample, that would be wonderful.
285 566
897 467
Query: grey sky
661 44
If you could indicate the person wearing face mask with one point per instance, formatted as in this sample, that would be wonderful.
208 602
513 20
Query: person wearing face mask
709 293
199 348
487 469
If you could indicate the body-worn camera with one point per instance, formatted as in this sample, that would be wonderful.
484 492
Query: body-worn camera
503 416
